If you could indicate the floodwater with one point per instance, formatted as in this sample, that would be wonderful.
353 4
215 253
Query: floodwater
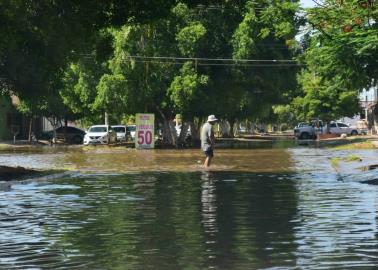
270 208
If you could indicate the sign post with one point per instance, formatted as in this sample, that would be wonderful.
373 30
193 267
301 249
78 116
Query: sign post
144 134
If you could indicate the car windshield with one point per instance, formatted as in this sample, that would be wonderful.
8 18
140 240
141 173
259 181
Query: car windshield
98 129
119 129
131 128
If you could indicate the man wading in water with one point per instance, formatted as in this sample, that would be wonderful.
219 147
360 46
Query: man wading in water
207 139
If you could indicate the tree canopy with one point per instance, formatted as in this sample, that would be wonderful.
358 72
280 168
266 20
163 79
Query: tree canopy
40 37
341 58
194 58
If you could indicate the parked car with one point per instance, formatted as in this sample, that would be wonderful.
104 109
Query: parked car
69 134
343 128
100 134
188 132
242 130
307 131
121 132
130 132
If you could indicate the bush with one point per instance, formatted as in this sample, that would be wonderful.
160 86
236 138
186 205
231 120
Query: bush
284 127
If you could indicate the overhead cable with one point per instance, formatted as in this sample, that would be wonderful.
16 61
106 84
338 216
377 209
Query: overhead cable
219 64
210 59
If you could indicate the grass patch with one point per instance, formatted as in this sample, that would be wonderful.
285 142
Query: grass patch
351 158
355 146
335 162
89 147
5 146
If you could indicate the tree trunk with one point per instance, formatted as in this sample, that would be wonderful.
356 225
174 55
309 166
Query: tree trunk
248 126
65 129
236 128
198 128
232 123
54 122
224 128
183 134
169 133
169 130
30 128
195 132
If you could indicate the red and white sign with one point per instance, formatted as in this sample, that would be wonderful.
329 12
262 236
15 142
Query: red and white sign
144 134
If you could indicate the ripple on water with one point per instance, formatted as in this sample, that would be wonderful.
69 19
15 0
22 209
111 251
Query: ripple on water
195 220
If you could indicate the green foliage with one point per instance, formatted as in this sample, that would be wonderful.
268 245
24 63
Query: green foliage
110 60
111 94
40 39
187 89
188 38
341 59
285 114
79 88
325 99
275 21
243 39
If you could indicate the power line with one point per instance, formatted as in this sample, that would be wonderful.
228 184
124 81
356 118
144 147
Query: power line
220 64
210 59
204 61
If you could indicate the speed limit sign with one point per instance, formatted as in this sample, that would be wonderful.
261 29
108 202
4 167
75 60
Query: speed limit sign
144 134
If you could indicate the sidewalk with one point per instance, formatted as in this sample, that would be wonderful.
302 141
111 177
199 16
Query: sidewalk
22 143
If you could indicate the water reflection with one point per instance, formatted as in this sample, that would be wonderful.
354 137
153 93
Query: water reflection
209 217
160 221
305 219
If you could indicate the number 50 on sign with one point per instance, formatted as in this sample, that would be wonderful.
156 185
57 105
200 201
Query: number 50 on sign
144 130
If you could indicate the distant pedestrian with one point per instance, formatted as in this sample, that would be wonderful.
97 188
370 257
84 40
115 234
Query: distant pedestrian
208 139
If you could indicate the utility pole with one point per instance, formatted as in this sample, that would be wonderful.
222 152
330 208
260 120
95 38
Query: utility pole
106 118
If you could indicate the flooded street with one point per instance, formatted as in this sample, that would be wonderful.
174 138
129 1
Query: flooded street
263 208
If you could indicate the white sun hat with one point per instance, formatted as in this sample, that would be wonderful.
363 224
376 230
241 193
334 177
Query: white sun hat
212 118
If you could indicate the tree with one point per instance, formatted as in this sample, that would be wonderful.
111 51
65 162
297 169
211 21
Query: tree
169 66
40 38
266 32
341 58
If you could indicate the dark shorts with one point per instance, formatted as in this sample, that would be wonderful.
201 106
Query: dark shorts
209 152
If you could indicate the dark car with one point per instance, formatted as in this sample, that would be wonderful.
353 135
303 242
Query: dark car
70 134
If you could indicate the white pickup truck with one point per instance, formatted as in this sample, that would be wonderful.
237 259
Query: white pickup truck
306 131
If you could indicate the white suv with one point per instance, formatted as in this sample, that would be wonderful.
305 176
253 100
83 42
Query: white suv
121 132
100 134
342 128
130 132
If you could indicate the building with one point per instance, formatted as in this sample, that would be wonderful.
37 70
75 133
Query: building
13 123
368 102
